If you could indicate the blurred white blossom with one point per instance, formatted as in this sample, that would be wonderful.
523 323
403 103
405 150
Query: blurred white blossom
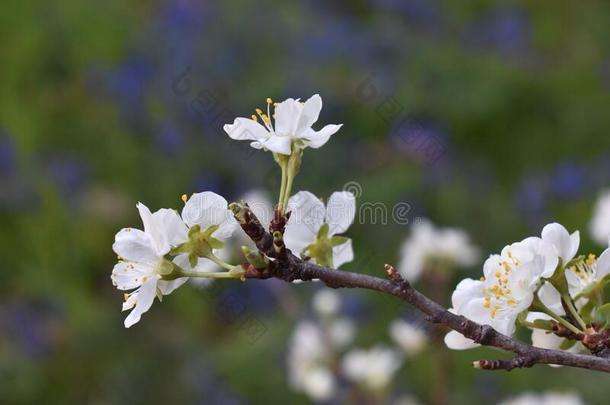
407 336
373 368
547 398
443 246
600 222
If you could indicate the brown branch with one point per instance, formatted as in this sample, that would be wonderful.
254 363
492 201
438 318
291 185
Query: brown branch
288 267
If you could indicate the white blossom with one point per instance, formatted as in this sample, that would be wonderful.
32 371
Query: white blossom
313 228
426 244
600 222
373 368
142 261
407 336
293 126
507 288
548 398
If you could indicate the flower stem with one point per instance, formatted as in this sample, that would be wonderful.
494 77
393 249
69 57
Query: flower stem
559 319
573 311
220 262
218 274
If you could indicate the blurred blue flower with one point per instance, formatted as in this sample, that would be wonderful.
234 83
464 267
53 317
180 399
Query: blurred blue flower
68 173
569 181
7 154
169 138
30 326
531 197
507 30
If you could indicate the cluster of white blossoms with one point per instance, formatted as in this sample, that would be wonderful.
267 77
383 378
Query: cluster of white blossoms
320 356
536 282
428 247
174 248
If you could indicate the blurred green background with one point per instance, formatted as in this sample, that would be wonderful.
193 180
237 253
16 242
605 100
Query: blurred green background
493 116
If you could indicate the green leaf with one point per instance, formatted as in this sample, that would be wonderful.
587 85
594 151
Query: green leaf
567 344
543 324
602 315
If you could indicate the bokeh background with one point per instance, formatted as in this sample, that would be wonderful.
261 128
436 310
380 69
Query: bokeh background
492 116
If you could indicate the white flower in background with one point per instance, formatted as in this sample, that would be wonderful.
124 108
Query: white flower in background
506 290
407 336
313 228
309 369
548 398
374 368
600 222
260 205
428 245
326 302
293 122
406 400
142 262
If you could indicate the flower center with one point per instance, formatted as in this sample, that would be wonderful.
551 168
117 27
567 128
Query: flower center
585 269
499 295
266 118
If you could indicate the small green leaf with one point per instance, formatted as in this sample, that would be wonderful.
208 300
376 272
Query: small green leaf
567 344
602 315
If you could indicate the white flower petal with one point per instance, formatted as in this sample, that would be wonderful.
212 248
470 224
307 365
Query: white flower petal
171 225
130 275
277 144
207 209
566 244
145 299
316 139
287 115
603 265
134 245
340 212
298 236
306 218
309 113
456 341
246 129
343 254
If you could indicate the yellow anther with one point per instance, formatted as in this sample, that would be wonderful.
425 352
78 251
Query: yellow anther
506 267
505 281
265 118
276 104
591 260
269 101
184 197
125 297
511 301
487 304
259 111
498 274
254 117
482 279
494 312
